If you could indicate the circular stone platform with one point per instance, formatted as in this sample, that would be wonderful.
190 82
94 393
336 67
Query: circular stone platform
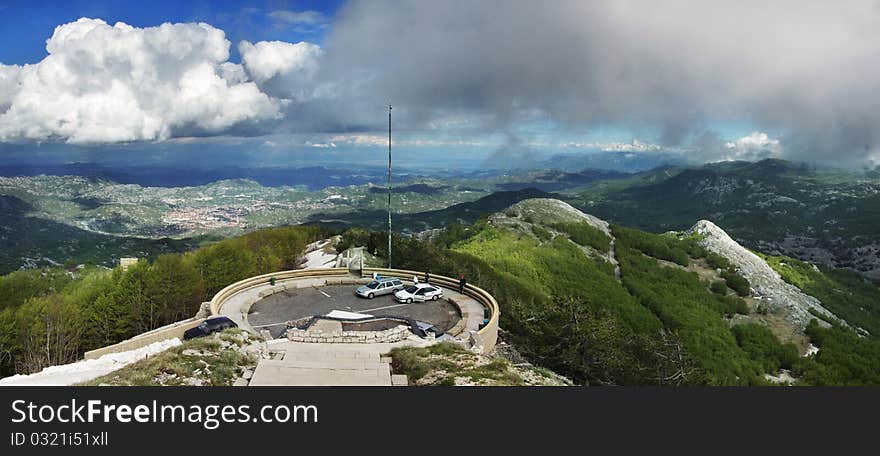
272 312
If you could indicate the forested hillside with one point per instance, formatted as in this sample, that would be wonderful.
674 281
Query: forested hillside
52 316
660 323
601 304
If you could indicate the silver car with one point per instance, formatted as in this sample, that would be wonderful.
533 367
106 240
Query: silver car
379 287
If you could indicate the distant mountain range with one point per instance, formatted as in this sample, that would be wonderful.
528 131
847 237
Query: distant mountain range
463 213
313 177
825 216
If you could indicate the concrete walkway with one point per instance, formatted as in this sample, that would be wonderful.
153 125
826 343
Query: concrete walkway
471 312
314 364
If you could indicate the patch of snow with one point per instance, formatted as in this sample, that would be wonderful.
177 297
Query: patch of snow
341 314
317 258
83 371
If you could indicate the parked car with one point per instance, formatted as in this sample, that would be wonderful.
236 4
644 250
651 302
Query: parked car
429 328
419 292
379 287
209 326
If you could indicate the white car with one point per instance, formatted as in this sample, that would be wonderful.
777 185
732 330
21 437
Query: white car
419 292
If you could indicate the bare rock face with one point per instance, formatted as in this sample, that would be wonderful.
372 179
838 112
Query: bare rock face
779 296
204 310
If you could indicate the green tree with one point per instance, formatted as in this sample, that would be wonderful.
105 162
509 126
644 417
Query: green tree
222 264
174 286
49 332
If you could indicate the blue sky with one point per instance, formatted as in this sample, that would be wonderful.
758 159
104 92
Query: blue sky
28 24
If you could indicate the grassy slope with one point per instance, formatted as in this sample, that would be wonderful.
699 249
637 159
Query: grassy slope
651 296
557 268
209 361
448 364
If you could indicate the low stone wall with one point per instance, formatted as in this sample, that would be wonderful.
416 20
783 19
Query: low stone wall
172 331
395 334
274 290
460 325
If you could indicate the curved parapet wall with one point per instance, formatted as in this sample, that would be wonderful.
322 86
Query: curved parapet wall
223 295
486 337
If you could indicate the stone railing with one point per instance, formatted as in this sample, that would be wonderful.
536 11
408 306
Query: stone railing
485 337
391 335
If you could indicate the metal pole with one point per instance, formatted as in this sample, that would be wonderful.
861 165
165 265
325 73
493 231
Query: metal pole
389 186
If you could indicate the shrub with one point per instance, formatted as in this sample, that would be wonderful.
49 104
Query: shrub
541 233
717 261
763 347
585 234
845 358
718 287
655 245
737 283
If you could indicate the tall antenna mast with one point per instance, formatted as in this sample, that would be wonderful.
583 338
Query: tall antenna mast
389 186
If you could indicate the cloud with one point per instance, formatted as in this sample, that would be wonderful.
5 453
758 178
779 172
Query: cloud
799 67
634 146
270 59
309 17
103 83
668 72
756 146
710 147
10 79
308 22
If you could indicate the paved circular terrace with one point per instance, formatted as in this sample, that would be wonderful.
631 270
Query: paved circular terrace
261 303
272 312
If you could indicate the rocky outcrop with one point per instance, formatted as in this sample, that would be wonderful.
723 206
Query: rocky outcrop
777 295
548 211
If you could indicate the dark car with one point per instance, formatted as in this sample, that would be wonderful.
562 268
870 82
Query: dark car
209 326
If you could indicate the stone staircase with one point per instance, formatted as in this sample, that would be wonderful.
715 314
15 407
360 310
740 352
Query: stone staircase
314 364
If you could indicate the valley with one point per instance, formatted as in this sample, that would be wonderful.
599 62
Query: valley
824 216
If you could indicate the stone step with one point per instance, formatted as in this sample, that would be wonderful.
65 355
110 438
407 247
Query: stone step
274 375
336 365
331 356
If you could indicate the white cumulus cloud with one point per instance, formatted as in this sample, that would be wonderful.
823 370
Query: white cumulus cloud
267 59
283 70
755 146
103 83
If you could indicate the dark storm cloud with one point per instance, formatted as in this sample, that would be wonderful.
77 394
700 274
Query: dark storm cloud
805 68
